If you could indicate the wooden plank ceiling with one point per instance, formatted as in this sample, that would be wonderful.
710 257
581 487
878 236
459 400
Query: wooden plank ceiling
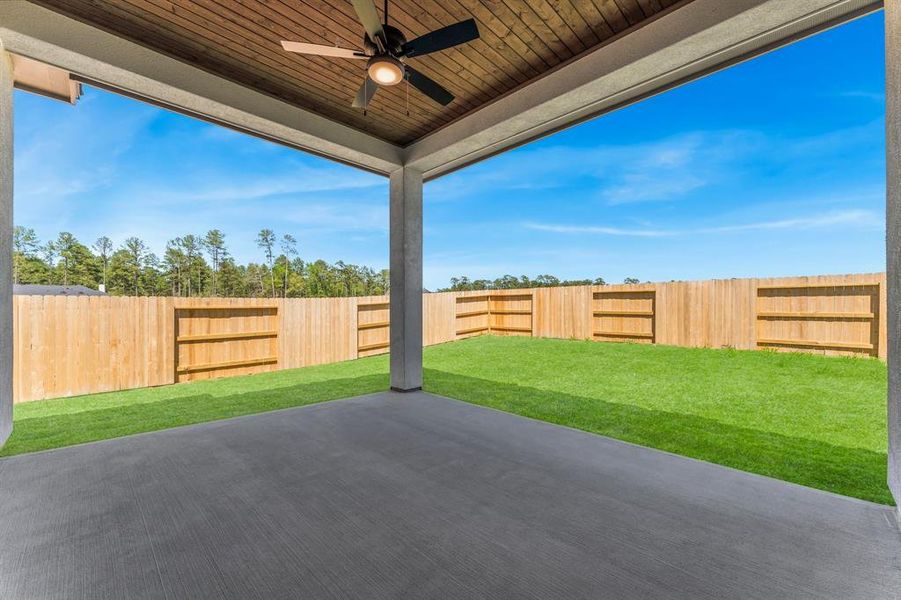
239 40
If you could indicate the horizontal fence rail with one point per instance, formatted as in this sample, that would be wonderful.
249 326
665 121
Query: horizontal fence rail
65 346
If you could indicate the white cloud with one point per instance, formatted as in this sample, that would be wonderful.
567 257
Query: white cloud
878 97
861 219
61 151
656 171
832 145
642 187
345 216
663 170
254 186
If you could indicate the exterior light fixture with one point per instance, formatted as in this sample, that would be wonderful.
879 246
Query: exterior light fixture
385 70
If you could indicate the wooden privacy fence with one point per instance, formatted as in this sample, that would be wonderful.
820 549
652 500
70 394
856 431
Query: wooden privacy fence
67 346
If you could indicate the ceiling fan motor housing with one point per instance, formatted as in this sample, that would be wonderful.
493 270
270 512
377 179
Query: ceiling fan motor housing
395 41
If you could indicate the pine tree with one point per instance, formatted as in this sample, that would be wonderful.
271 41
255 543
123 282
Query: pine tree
266 241
214 244
136 257
289 247
25 247
104 248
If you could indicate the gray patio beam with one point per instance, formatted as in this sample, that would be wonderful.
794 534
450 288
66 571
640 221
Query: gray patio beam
893 236
681 45
109 61
6 230
406 279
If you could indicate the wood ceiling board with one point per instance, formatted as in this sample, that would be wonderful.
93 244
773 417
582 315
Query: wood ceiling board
239 40
632 11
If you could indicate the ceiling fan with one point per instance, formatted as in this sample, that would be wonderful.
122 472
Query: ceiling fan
386 50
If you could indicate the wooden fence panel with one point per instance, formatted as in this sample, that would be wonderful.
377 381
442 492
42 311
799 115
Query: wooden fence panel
472 316
317 331
439 318
562 312
510 313
624 314
66 346
821 314
223 339
373 327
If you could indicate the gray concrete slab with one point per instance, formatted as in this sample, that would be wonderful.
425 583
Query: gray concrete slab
417 496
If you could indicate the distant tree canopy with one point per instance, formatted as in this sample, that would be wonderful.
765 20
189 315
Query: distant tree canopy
191 265
201 265
509 282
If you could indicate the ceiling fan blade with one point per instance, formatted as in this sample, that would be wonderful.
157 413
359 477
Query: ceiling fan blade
428 87
441 39
365 94
369 17
320 50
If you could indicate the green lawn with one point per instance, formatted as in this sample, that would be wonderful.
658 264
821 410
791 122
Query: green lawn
812 420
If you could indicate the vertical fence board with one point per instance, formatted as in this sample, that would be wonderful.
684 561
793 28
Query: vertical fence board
439 318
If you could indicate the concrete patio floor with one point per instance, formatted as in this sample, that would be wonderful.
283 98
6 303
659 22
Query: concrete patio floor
418 496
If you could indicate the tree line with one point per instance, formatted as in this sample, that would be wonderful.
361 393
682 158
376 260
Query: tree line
511 282
191 265
202 266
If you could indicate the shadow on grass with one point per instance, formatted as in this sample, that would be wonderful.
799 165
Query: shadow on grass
848 471
56 431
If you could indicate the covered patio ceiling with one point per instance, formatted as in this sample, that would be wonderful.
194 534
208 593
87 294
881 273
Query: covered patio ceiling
240 41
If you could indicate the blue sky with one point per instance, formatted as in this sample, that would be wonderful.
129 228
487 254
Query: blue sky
773 167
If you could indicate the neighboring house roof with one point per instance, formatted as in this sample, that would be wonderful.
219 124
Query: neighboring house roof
55 290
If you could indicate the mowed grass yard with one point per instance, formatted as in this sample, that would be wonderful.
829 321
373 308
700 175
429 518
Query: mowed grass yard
817 421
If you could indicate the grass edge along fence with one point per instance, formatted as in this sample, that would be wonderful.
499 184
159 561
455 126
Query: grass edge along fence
66 346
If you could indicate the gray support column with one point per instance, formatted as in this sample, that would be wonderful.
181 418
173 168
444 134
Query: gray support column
406 280
893 236
6 228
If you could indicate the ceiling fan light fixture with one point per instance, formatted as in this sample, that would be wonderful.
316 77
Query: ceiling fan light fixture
385 70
